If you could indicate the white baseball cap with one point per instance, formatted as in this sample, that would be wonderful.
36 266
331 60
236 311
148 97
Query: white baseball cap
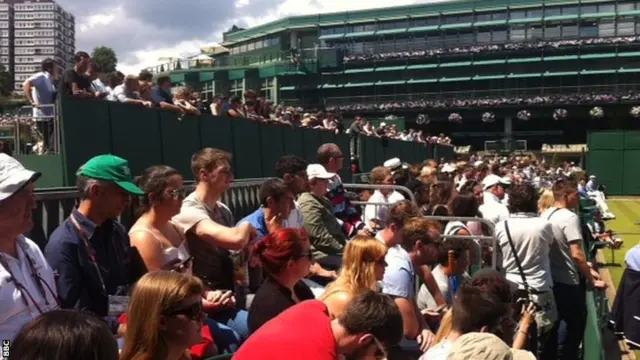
13 176
317 171
492 180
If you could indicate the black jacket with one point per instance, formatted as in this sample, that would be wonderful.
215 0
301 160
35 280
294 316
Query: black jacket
627 305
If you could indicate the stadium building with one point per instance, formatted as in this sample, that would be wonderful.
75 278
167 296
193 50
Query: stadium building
522 72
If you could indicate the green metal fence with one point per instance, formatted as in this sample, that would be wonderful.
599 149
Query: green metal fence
613 157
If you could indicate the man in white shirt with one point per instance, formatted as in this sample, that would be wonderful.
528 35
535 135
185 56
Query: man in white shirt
375 215
492 208
27 287
41 94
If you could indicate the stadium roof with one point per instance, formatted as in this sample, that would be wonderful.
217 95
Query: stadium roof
389 13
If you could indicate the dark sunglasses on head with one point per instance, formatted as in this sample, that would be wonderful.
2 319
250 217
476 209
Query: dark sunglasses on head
180 193
193 312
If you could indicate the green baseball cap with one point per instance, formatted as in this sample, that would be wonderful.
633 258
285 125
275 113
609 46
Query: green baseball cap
110 168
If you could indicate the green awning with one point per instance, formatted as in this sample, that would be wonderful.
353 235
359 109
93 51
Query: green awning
560 58
525 20
290 73
453 79
397 82
490 62
628 70
391 68
176 77
523 75
559 73
629 13
598 72
524 60
455 26
357 71
629 54
391 31
560 17
206 76
598 56
363 84
597 15
331 86
422 66
457 63
359 34
331 37
489 77
422 81
287 88
489 23
423 28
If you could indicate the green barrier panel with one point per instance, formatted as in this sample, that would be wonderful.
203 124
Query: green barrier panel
50 166
135 136
272 148
215 132
630 173
631 140
430 152
311 141
86 132
246 145
292 141
180 140
592 342
343 142
609 167
367 153
606 140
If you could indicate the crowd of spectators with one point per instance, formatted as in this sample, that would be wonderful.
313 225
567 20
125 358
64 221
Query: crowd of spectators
313 273
476 49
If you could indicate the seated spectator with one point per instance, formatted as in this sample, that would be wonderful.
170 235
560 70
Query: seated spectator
375 215
127 92
285 256
363 266
89 275
74 81
211 235
181 100
530 238
293 170
161 95
65 334
473 310
370 324
165 316
26 279
449 277
418 246
325 233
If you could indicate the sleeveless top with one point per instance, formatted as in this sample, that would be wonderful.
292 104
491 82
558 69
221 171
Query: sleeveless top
169 253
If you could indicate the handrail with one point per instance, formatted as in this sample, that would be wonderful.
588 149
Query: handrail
403 189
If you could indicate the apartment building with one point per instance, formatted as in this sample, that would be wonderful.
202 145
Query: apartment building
31 31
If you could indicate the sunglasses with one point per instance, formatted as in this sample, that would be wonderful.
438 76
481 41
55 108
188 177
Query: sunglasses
180 193
192 312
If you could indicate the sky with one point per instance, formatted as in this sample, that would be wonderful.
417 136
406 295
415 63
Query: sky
142 32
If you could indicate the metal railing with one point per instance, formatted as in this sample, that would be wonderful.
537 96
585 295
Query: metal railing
41 127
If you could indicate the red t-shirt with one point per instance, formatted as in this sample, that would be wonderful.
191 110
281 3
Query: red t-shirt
302 332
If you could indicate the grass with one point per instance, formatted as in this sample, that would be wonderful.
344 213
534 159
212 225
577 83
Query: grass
627 213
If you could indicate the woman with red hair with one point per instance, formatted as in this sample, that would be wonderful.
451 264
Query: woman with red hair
285 256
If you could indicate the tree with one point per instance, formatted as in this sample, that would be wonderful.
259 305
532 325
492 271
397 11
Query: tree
161 68
178 66
105 58
197 64
6 82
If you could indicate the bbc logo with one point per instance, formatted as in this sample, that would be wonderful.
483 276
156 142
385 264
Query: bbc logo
5 349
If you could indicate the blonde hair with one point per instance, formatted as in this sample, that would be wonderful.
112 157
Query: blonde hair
545 201
155 293
358 267
445 327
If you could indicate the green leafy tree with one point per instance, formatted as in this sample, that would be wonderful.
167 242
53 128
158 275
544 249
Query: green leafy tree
6 82
105 57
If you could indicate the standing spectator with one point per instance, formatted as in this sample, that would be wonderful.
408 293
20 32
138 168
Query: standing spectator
492 208
217 107
211 235
145 77
199 103
90 251
74 81
370 324
127 92
26 280
235 108
114 79
161 94
96 76
525 240
182 99
41 94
